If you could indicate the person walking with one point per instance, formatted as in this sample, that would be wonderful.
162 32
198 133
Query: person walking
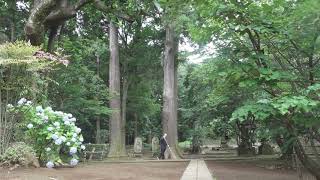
163 145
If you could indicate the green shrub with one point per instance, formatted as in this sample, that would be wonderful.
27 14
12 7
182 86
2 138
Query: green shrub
53 134
19 153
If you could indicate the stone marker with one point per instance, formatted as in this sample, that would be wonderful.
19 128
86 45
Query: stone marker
155 145
137 148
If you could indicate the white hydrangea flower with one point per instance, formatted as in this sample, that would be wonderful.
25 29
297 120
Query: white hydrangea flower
65 118
9 106
54 136
30 126
67 123
28 103
56 124
73 150
74 135
50 128
83 147
59 113
69 115
73 139
39 109
48 149
22 101
73 119
63 138
45 118
81 139
49 109
68 143
58 141
78 130
73 162
50 164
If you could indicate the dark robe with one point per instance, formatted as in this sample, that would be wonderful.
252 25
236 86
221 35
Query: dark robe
163 147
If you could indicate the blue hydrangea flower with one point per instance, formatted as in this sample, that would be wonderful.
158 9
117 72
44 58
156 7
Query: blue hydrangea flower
58 141
73 162
74 135
73 150
54 136
22 101
45 118
50 164
65 118
30 126
50 128
39 109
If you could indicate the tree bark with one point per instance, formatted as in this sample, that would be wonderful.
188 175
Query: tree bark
135 125
125 86
117 146
98 131
34 27
169 113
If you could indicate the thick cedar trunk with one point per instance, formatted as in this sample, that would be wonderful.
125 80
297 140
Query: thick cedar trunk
98 132
117 146
52 37
135 125
195 140
125 86
169 113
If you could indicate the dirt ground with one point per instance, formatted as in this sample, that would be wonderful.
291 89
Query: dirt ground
102 171
247 171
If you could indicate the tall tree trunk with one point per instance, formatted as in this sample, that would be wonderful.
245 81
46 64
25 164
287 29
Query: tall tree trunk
169 113
125 86
98 131
117 146
135 125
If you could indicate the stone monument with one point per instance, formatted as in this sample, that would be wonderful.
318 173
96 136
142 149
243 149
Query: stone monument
155 146
137 148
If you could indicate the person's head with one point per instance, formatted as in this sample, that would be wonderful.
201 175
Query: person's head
165 135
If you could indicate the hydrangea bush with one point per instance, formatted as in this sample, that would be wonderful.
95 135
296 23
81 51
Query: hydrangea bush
55 137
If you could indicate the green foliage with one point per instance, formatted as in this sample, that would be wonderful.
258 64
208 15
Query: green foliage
53 134
18 153
22 53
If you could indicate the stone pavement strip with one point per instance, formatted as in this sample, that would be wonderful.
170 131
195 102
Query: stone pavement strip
197 170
